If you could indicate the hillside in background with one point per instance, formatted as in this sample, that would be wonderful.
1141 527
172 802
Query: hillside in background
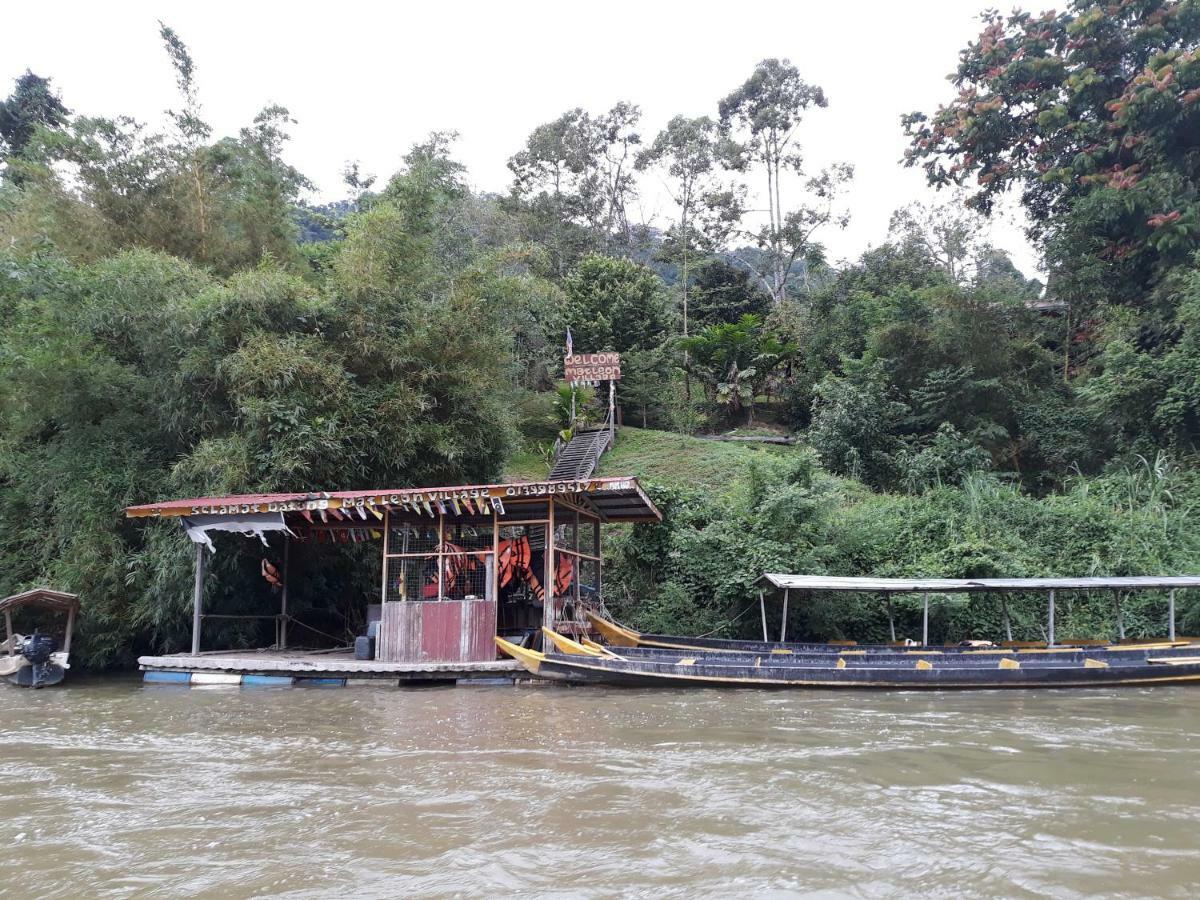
177 320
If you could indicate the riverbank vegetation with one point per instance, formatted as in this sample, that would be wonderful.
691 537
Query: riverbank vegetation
178 317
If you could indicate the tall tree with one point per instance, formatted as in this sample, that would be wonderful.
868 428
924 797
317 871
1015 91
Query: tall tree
765 113
688 154
574 173
615 304
950 233
1094 114
32 104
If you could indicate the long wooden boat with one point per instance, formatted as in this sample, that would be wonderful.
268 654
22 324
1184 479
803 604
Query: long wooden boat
618 636
579 663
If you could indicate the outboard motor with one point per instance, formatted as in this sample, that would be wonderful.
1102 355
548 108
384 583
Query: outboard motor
38 648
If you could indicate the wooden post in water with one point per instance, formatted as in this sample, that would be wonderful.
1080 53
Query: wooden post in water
925 623
197 598
283 597
1171 615
1007 621
762 607
783 624
1050 622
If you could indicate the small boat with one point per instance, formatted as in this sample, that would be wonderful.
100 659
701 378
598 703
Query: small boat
584 663
39 659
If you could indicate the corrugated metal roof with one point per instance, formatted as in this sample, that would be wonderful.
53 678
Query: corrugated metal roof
617 499
972 585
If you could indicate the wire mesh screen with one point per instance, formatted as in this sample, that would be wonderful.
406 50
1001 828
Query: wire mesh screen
564 533
469 535
411 578
588 536
412 537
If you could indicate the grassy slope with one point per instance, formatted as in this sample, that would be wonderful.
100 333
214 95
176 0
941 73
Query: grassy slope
676 459
663 456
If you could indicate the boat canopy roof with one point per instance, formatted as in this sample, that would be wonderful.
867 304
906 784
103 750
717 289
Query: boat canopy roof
613 499
976 585
44 597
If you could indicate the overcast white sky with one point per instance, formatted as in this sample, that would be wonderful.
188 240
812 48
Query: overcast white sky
365 81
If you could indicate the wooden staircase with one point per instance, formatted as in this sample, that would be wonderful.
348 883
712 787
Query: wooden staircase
579 457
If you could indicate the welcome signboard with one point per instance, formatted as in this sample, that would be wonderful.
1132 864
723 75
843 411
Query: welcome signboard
592 367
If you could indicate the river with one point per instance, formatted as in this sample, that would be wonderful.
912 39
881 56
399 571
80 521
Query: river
114 789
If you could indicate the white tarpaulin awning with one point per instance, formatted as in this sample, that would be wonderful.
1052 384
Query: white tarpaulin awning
248 524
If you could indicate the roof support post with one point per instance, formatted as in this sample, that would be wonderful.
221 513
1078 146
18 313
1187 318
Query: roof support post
549 613
925 623
891 618
283 597
441 555
762 608
197 599
66 647
1171 615
1120 616
1007 621
1050 622
783 618
8 626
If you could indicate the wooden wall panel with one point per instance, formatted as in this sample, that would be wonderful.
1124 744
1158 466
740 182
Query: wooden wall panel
432 631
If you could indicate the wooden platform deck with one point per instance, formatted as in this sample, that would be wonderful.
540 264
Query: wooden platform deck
301 664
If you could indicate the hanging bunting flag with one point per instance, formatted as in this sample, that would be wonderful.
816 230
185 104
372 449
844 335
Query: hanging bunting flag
307 515
457 508
362 513
441 507
337 514
324 518
428 508
498 505
377 514
377 534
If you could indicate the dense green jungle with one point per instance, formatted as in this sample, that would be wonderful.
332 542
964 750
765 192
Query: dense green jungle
178 317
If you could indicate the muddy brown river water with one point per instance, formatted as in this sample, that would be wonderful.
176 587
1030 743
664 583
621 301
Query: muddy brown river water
114 789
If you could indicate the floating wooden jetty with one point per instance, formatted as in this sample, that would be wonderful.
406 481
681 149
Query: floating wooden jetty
262 667
460 565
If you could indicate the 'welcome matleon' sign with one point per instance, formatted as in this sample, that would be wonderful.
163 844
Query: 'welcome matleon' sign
592 367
